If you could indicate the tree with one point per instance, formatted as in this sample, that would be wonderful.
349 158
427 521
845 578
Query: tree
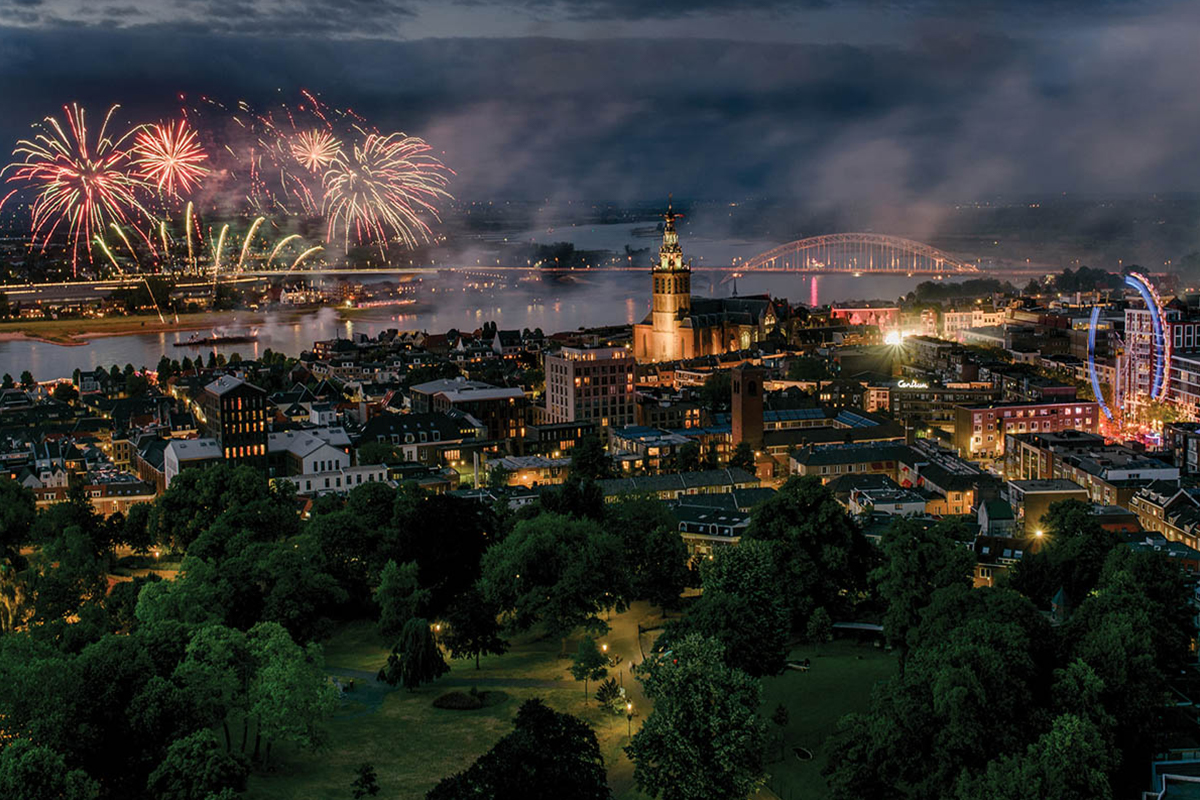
498 476
743 457
399 597
32 772
717 392
589 664
780 718
579 499
7 382
289 694
472 628
918 560
27 381
974 649
687 457
741 608
379 453
1068 762
196 767
216 672
366 783
1071 559
450 561
64 392
589 461
655 554
416 658
135 530
548 756
823 558
558 571
18 510
820 627
703 740
67 573
241 495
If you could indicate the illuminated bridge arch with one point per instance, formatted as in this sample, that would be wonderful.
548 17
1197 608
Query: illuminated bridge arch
858 253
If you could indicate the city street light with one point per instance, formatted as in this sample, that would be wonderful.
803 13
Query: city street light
629 719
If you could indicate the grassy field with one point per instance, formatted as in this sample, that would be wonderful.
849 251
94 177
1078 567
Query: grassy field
413 745
838 683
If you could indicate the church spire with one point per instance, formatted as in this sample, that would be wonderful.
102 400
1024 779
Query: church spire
670 243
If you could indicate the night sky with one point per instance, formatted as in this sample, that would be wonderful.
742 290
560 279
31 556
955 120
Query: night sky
868 103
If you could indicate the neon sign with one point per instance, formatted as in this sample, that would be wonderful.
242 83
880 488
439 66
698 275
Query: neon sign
904 383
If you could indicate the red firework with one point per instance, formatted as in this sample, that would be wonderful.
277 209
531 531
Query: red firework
81 183
170 156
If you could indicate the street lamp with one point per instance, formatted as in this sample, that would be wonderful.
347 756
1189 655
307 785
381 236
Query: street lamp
629 719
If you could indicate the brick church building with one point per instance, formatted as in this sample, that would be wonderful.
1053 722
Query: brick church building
680 326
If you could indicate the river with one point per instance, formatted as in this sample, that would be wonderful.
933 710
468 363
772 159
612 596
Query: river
608 298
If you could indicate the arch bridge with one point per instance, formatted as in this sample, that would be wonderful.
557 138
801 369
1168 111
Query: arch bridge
858 253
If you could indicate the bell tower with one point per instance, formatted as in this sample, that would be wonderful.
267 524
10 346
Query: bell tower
672 298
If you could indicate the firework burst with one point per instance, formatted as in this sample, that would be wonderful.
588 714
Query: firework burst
315 150
170 156
82 183
381 188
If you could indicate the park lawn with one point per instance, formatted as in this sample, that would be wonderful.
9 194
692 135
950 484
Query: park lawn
413 745
840 681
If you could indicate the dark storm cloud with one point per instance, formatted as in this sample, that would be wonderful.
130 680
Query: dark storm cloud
239 17
659 9
957 111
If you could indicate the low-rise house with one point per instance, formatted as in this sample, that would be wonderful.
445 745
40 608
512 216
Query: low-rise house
1164 508
680 484
428 438
833 461
532 470
997 554
996 518
896 502
1032 499
336 481
705 529
181 454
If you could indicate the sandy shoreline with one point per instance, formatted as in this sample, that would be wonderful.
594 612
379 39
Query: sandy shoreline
76 333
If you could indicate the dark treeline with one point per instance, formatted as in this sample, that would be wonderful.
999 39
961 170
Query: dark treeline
973 287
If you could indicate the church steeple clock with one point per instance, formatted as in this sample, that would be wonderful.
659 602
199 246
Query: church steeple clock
672 298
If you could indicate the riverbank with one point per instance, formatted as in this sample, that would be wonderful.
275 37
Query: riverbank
79 332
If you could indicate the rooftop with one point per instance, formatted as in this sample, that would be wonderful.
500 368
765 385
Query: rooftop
1046 486
680 481
192 449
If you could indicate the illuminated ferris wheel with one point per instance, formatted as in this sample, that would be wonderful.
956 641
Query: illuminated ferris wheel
1144 366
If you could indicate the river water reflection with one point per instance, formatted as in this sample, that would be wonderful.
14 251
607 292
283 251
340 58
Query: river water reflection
611 298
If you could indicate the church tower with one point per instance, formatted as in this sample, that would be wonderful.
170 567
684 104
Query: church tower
672 295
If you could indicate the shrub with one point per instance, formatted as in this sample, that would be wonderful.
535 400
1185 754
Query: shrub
608 691
458 701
